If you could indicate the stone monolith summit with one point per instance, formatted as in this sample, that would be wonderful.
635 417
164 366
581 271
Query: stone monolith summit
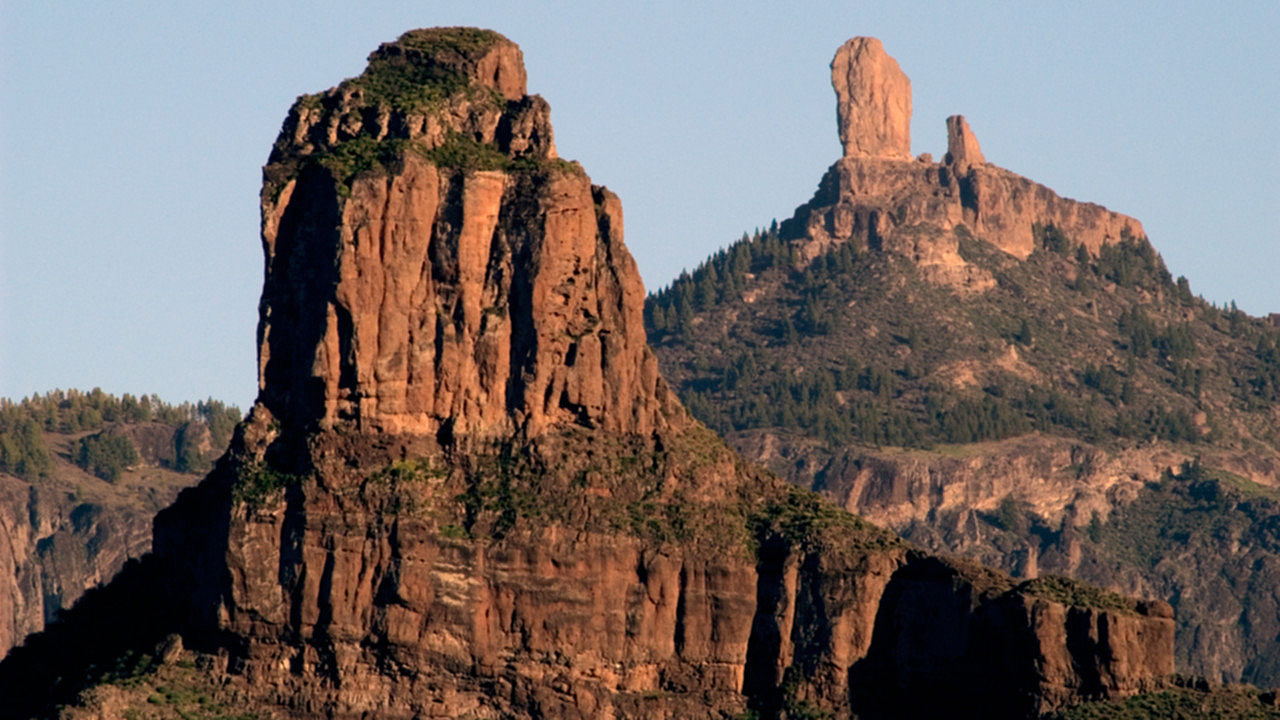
877 190
873 101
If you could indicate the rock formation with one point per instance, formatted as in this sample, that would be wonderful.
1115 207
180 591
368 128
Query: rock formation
873 101
465 491
876 190
962 144
57 546
68 531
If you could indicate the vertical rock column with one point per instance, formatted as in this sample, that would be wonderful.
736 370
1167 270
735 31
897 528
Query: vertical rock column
873 101
962 144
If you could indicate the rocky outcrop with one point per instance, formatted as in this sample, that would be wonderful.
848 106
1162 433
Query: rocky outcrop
443 297
873 101
877 192
962 144
465 491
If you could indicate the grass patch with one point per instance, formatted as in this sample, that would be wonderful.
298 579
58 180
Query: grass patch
1067 591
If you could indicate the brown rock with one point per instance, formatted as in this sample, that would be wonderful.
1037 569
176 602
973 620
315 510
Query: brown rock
402 302
962 144
873 101
870 200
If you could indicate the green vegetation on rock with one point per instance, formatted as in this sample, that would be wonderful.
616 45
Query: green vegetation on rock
1232 702
427 69
255 483
1067 591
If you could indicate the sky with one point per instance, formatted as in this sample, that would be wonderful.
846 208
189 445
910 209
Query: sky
132 136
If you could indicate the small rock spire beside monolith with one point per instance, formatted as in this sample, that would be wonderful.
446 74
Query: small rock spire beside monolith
962 144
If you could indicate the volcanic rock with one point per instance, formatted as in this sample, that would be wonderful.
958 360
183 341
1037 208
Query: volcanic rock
962 144
873 101
874 190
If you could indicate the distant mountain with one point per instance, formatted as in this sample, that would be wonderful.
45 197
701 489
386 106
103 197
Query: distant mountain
82 474
958 353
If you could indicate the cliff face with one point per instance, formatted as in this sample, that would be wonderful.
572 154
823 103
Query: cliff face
443 296
68 531
465 490
56 547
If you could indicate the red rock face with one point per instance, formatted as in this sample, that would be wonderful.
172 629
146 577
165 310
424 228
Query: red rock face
435 299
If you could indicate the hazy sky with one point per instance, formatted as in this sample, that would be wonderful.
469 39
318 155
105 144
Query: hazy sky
132 137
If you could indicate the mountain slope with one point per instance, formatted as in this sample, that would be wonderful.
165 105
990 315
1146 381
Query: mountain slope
82 474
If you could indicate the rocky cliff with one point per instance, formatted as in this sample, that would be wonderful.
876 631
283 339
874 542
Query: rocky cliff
56 546
64 530
465 490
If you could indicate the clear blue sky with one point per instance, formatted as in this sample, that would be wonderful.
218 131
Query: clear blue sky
132 136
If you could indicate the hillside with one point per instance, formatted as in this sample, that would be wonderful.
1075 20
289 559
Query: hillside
465 490
958 353
82 474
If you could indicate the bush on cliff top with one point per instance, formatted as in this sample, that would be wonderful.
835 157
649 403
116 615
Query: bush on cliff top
1067 591
429 72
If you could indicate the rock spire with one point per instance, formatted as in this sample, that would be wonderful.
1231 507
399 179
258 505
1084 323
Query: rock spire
432 267
873 101
962 144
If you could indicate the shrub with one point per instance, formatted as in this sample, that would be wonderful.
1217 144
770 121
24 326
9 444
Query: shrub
106 455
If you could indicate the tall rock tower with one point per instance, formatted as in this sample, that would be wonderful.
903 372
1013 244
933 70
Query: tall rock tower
432 267
873 101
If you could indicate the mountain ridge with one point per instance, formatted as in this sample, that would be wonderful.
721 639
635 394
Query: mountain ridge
992 371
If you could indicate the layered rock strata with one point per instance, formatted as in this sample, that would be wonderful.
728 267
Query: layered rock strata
465 491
